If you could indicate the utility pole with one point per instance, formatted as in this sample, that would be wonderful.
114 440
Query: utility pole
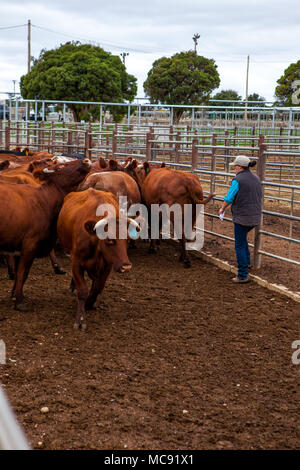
29 47
28 61
246 99
195 39
123 55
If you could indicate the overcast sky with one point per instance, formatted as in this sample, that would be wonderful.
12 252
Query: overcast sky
267 30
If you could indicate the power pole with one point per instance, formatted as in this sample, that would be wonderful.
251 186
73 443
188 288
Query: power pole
123 55
195 39
29 47
247 76
28 61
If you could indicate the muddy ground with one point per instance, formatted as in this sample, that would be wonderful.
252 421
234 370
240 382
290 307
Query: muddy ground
173 358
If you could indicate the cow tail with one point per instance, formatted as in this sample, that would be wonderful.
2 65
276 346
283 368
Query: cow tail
195 198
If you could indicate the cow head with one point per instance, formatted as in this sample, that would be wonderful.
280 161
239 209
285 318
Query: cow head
65 177
4 165
113 248
138 171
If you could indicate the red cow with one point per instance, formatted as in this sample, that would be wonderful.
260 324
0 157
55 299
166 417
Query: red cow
166 186
76 228
116 182
23 175
28 217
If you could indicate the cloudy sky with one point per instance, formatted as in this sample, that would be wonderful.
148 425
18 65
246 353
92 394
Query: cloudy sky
266 30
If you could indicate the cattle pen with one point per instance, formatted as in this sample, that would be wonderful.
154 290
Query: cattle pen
173 358
207 154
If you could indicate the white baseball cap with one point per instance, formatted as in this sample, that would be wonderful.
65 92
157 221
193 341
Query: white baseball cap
240 160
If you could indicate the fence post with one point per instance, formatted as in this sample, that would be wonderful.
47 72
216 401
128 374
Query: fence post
70 140
114 143
194 153
148 145
7 136
261 170
213 163
177 147
87 143
226 155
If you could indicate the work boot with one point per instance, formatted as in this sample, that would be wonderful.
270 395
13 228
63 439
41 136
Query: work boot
237 280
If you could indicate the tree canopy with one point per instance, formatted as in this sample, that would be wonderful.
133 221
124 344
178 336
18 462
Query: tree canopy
286 91
80 72
230 95
185 78
256 97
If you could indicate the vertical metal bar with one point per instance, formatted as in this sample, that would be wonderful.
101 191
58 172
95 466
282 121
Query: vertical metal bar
261 170
17 110
128 120
139 115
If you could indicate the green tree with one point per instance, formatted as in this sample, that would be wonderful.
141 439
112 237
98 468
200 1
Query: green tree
186 79
286 85
256 97
80 72
229 95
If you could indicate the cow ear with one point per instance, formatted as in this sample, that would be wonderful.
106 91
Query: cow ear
4 165
90 227
102 163
31 167
113 165
146 167
40 175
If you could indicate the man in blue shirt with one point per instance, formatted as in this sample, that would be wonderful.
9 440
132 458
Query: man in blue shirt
245 198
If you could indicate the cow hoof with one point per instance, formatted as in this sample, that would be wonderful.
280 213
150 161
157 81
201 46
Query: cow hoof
187 263
90 306
22 307
59 270
152 250
80 326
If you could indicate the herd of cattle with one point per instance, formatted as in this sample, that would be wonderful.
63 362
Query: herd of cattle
45 198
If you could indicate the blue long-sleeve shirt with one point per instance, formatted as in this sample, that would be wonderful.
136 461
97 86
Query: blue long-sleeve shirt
232 192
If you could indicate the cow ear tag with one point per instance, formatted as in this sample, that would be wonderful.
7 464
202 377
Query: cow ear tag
133 233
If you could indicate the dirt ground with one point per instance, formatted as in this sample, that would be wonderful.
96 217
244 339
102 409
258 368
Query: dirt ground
173 358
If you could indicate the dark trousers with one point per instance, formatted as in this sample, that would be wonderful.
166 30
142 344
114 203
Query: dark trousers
242 250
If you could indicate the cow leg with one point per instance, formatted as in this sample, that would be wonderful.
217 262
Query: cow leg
16 261
56 266
72 286
21 275
97 287
184 256
82 294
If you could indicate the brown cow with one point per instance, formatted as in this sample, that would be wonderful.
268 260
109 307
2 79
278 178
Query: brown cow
28 217
116 182
167 186
23 175
76 228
